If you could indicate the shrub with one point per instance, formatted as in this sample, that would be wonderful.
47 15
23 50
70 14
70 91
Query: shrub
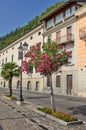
64 116
11 97
61 115
46 110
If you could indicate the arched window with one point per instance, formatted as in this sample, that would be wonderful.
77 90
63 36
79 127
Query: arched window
48 81
29 85
18 83
4 84
37 85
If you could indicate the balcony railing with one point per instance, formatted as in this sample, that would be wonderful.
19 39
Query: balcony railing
82 33
66 39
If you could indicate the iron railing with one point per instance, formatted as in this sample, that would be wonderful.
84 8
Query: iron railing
65 39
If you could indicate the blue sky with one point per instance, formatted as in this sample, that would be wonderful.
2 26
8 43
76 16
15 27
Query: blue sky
17 13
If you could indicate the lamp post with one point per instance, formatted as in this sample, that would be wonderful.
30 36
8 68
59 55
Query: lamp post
22 48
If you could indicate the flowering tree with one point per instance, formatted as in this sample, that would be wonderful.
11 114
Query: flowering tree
47 59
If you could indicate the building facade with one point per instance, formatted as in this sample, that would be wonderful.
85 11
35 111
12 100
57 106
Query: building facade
66 26
81 47
34 81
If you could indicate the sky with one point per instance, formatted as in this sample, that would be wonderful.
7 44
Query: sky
17 13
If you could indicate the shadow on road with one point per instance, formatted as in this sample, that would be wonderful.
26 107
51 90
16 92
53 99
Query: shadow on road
35 97
1 127
78 110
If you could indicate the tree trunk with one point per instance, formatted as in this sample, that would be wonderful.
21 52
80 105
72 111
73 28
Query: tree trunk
53 105
10 87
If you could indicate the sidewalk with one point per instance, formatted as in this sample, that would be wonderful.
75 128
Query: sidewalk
16 117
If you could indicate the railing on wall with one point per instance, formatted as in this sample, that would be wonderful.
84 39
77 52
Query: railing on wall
65 39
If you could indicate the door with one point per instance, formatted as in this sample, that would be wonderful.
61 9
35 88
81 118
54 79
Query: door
69 84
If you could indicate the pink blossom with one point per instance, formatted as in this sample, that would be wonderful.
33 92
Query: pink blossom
64 50
47 57
58 64
50 48
43 61
58 57
37 48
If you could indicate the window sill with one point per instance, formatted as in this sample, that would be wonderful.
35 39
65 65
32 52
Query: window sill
58 22
67 17
49 28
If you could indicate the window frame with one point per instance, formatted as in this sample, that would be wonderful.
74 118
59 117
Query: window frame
59 18
67 12
58 81
50 23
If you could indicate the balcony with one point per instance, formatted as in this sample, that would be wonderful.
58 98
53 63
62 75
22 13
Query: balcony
82 33
69 38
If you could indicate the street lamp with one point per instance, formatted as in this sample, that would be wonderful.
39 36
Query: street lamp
22 48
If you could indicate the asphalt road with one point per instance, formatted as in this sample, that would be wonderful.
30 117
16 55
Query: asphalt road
69 104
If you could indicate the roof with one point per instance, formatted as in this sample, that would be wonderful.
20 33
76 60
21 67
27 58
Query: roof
62 7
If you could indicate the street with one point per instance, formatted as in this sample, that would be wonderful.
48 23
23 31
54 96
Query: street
23 117
73 105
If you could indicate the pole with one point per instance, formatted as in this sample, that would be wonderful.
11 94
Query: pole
20 98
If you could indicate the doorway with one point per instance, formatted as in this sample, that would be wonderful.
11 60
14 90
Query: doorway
29 85
69 84
37 85
18 84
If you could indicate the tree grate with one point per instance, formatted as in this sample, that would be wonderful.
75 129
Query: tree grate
24 115
33 121
43 127
19 111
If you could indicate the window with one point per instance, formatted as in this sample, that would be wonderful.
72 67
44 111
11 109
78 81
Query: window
35 69
30 70
78 6
69 33
59 18
70 57
32 48
49 38
29 85
69 60
37 85
12 48
12 57
31 37
2 61
39 33
48 81
6 60
58 81
58 37
67 13
72 9
50 23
